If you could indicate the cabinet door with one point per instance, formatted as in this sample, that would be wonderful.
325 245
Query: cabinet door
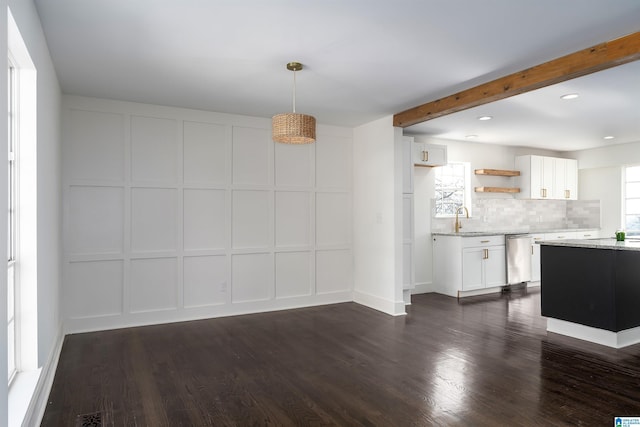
419 155
436 154
407 165
571 179
535 257
472 266
495 267
407 241
560 179
548 177
536 178
429 154
407 266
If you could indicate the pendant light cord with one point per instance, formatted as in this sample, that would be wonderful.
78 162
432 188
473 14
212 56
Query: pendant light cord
294 91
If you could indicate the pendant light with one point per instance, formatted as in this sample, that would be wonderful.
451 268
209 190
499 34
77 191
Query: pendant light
294 128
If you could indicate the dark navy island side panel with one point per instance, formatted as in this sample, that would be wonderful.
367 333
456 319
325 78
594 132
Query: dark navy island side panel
578 285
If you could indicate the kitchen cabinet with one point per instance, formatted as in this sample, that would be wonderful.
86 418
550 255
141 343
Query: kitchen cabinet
565 183
407 165
535 248
429 155
483 267
463 264
408 244
544 177
535 257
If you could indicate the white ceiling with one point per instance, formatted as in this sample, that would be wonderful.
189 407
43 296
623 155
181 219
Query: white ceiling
364 59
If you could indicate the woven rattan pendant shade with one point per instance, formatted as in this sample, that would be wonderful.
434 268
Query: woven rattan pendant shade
293 128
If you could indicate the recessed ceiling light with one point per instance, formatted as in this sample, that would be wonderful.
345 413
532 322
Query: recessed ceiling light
483 118
609 137
471 136
570 96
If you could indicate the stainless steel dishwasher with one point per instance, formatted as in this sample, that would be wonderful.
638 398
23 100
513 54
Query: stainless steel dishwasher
518 258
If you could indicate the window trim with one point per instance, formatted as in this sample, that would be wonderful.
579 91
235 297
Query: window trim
466 190
623 219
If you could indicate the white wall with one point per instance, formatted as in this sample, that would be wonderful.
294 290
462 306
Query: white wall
49 176
175 214
377 219
600 177
604 184
48 215
609 156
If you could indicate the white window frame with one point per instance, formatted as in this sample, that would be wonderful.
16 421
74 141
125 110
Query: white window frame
12 223
625 199
466 189
26 245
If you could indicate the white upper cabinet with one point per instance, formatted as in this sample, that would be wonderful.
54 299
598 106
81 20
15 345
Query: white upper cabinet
429 154
547 178
571 179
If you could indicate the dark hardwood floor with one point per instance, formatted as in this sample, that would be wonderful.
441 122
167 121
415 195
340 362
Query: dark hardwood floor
482 361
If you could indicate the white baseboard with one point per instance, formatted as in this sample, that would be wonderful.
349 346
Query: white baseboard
130 320
38 404
595 335
423 288
394 308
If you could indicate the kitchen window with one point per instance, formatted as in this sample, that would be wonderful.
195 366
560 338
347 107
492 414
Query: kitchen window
12 224
22 236
453 185
631 209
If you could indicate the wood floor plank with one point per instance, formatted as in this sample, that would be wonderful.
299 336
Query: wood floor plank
482 361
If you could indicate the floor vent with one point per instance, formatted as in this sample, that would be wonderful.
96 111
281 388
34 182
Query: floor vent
89 420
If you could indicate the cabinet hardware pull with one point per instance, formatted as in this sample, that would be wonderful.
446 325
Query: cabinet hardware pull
486 254
587 235
567 194
485 241
425 156
531 249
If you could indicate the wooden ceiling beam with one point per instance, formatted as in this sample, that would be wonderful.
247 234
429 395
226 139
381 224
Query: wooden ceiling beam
596 58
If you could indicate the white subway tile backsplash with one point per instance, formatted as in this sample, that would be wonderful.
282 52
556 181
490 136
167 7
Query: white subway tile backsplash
532 215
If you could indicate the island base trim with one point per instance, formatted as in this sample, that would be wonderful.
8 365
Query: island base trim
599 336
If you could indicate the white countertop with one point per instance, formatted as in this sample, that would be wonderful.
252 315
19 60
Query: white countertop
632 244
505 232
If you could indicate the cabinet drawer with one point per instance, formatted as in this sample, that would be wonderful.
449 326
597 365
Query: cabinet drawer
537 237
560 236
588 234
471 242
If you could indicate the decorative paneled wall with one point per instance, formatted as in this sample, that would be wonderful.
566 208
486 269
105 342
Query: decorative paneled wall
173 214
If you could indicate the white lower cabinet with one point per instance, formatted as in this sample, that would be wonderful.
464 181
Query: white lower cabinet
483 267
535 257
468 263
535 248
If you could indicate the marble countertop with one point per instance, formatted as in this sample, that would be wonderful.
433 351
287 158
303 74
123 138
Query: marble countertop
505 232
632 244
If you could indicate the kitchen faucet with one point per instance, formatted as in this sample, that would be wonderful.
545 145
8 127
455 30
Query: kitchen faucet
458 224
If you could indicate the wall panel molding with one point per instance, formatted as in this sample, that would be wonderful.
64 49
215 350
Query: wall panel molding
195 214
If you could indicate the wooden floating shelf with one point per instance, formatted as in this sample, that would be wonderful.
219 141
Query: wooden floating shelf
496 172
497 190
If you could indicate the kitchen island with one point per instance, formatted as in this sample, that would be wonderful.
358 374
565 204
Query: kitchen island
590 289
